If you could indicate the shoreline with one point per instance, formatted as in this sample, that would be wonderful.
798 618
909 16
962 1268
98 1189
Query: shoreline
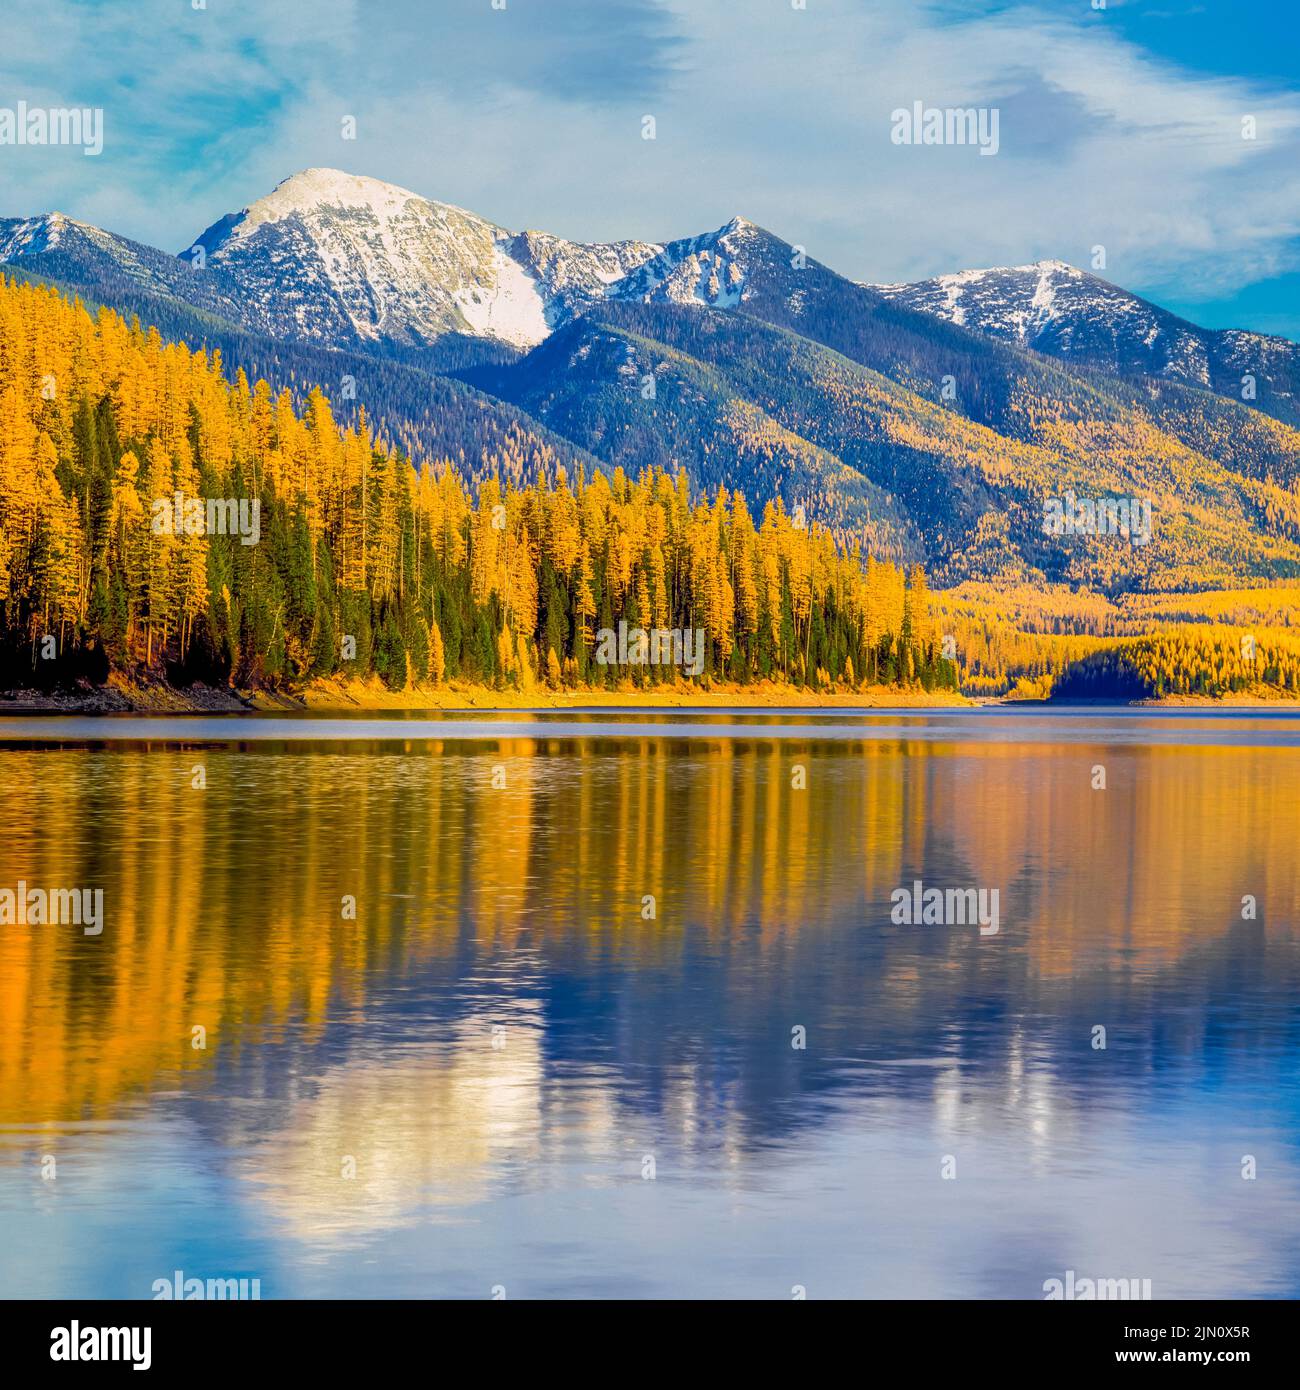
350 696
337 697
360 697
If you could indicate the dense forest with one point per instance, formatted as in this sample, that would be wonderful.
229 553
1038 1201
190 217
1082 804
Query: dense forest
1181 661
1050 641
342 557
500 561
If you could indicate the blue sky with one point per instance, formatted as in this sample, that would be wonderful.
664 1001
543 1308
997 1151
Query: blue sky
1119 127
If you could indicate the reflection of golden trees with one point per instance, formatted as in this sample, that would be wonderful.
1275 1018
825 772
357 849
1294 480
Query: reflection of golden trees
223 905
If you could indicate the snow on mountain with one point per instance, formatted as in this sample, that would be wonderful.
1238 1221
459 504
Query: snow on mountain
341 260
29 236
54 231
331 256
106 265
510 307
1058 309
1048 302
709 270
574 273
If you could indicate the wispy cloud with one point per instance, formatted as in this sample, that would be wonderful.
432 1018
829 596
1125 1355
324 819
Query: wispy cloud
533 115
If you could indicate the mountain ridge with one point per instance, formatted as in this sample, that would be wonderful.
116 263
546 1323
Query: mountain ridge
1058 309
484 279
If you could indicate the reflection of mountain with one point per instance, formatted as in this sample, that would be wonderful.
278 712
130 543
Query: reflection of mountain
223 909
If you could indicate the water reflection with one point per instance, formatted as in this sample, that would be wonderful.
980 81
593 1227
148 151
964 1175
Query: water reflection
503 1037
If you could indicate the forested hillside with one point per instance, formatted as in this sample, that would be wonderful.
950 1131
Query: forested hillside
424 415
832 413
1042 641
1214 661
361 562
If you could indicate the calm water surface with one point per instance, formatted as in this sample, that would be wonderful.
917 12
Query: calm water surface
538 1088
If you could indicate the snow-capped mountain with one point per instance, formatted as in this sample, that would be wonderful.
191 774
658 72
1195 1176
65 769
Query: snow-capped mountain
29 236
334 260
1058 309
112 269
333 257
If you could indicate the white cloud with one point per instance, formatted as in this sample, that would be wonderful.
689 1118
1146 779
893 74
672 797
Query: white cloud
761 109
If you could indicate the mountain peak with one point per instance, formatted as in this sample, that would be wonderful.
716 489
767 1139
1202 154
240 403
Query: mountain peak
28 236
1056 308
312 189
379 263
1041 268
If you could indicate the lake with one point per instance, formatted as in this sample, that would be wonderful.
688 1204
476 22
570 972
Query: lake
619 1004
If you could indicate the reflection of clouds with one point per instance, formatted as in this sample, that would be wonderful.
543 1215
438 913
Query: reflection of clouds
430 1127
857 1208
1114 1196
1029 1091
